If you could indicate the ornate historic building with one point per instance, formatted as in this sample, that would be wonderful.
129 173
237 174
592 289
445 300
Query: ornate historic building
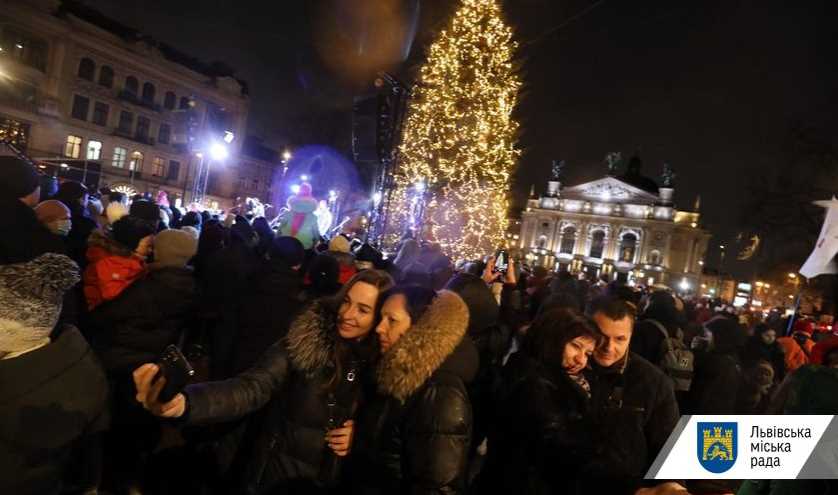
622 227
97 101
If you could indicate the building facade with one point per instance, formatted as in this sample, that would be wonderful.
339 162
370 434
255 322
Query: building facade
96 101
623 228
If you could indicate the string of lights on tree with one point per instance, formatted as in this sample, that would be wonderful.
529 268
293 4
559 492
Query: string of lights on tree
458 147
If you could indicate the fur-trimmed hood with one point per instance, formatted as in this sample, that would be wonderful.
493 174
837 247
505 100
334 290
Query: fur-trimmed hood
429 345
311 339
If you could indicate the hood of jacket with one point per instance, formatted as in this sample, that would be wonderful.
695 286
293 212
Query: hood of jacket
426 346
101 246
311 339
302 204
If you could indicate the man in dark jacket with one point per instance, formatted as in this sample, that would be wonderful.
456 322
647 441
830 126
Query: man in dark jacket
633 408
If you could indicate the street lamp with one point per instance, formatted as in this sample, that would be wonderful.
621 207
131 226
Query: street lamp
218 151
286 155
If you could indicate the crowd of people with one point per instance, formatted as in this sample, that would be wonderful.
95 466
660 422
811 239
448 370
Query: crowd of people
326 366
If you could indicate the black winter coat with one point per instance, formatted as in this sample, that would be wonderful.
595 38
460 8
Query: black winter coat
147 316
51 400
291 379
716 383
633 413
24 237
542 434
414 437
267 312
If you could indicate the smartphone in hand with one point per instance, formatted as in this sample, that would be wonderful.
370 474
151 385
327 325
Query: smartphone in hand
501 261
176 370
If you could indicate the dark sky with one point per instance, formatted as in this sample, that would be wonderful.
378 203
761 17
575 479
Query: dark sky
713 87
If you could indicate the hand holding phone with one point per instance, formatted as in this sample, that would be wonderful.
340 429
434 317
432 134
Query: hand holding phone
176 370
501 261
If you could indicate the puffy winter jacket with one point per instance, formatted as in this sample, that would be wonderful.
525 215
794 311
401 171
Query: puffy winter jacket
300 221
414 436
111 269
542 433
291 379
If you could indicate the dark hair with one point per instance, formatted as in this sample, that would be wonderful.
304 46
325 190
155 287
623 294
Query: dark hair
192 219
417 299
545 340
382 281
612 307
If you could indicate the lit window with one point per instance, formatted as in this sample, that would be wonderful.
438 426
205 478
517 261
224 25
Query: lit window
72 148
158 168
136 163
119 155
94 150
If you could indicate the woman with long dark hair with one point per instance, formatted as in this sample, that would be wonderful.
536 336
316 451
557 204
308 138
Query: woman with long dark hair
310 382
540 437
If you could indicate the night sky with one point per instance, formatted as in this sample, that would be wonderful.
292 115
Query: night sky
712 87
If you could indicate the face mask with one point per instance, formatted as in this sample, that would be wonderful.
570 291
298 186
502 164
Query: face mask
60 227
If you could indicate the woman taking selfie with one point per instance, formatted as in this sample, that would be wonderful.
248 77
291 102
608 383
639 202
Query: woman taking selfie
540 437
310 381
414 436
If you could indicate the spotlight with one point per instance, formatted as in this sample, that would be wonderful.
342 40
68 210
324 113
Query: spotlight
218 151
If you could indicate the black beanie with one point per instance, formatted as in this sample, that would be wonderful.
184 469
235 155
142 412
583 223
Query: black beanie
145 210
18 179
130 230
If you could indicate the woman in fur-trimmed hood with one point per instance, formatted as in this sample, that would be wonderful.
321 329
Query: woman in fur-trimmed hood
414 437
310 382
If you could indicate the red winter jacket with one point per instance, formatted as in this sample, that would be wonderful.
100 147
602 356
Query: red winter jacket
111 269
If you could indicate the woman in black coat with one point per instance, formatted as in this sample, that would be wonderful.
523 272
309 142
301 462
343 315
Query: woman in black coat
309 382
763 346
718 372
542 434
414 436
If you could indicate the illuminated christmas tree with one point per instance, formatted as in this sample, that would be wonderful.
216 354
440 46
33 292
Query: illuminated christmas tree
459 136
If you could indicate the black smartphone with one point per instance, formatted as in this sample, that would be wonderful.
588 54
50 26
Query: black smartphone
501 261
175 369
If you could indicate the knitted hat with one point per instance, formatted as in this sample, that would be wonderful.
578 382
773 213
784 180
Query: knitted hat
30 300
174 247
145 210
339 244
18 179
115 211
51 210
130 230
288 249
